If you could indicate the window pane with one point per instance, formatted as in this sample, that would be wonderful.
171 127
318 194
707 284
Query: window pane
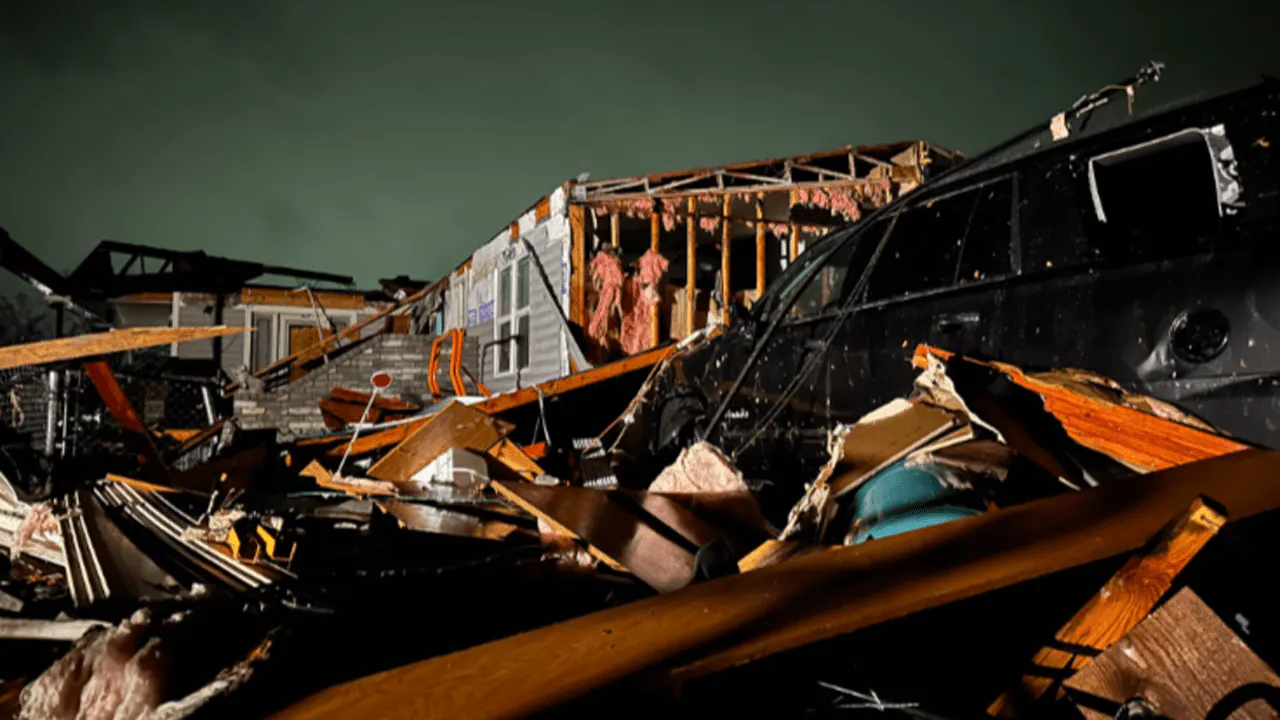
522 283
261 343
522 345
504 292
827 288
986 246
924 251
504 349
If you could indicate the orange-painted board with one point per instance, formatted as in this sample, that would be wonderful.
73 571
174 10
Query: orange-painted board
1140 439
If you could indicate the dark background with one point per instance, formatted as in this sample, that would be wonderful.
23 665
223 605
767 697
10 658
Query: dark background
394 136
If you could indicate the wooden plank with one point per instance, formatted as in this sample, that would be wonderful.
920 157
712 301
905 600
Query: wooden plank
714 625
871 446
1182 660
507 401
354 486
456 426
1139 439
655 234
651 536
615 220
726 242
691 269
760 248
299 298
772 552
794 227
578 279
385 402
1119 606
104 343
50 630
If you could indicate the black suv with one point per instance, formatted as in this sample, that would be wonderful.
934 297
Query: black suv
1147 252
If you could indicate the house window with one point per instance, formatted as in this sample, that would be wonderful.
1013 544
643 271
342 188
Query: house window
512 317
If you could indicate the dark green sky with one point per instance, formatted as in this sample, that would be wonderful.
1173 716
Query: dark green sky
392 136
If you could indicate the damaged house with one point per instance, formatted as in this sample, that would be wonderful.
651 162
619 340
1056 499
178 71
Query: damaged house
995 449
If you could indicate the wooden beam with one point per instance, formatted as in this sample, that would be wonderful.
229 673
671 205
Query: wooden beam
655 235
578 289
456 426
614 221
1118 607
551 388
794 227
104 343
298 298
726 240
760 250
714 625
691 268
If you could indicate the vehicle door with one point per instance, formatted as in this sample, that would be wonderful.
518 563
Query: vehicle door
940 281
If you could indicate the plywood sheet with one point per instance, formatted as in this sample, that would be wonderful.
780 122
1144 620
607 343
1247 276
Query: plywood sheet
1182 659
873 445
652 536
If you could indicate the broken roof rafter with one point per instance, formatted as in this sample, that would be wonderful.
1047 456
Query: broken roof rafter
813 170
605 200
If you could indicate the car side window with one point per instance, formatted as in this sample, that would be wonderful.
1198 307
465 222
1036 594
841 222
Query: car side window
985 250
1163 198
826 289
960 238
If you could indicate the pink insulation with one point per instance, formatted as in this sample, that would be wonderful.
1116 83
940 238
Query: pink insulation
39 523
606 276
104 676
642 297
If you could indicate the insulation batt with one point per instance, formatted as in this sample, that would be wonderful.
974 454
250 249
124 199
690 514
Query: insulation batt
104 676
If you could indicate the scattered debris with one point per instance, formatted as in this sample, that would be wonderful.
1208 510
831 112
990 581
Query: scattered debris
721 497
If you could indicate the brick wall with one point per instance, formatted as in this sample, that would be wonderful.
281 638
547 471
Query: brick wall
293 408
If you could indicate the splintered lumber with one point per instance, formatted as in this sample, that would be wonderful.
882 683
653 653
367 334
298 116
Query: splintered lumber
357 487
456 426
1183 660
104 343
55 630
1141 440
651 536
715 625
1118 607
877 442
524 396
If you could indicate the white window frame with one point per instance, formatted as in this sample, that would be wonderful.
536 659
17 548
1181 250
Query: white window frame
510 316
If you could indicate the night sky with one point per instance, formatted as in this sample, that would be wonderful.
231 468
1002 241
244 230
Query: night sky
394 136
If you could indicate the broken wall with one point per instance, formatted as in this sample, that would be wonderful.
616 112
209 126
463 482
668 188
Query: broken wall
294 409
547 230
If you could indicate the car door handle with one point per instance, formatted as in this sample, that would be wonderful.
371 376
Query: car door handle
956 322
